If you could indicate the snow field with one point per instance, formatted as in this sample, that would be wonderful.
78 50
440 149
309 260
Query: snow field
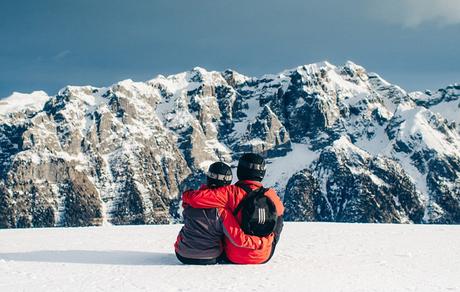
310 257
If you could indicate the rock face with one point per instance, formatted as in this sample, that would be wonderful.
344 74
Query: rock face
349 185
342 145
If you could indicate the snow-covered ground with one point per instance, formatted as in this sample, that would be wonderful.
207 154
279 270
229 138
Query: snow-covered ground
310 257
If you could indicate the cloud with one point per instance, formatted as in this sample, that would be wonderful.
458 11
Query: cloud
61 55
412 13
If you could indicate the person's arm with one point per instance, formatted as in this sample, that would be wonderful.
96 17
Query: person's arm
206 198
236 235
279 211
185 204
277 233
276 200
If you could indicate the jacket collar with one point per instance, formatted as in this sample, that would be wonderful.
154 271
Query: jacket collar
251 182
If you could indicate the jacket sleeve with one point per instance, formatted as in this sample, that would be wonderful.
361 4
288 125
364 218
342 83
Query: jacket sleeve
238 238
276 200
206 198
185 204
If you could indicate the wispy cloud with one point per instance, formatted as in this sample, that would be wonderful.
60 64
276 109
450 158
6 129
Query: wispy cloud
61 55
412 13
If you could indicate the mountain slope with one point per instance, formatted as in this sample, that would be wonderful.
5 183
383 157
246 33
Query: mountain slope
331 257
342 144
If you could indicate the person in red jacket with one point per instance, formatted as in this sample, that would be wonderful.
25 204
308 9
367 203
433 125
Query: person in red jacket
200 240
250 172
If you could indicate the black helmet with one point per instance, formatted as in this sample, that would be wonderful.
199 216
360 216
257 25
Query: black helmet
251 167
219 174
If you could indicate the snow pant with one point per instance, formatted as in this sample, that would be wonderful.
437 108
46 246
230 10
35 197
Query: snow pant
189 261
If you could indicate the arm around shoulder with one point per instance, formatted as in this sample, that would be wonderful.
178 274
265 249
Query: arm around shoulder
206 198
236 235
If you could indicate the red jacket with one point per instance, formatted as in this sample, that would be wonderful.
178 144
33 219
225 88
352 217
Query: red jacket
228 197
203 231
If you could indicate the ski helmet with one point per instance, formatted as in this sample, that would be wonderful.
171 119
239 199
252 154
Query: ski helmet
251 166
219 174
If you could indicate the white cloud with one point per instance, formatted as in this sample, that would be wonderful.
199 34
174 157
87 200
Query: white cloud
411 13
61 55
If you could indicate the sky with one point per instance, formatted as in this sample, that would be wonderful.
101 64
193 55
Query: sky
48 44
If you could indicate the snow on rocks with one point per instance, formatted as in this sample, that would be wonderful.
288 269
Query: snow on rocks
369 151
21 101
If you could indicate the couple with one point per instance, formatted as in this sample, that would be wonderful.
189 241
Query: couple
226 223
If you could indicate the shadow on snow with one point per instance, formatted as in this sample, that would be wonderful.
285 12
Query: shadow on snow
113 257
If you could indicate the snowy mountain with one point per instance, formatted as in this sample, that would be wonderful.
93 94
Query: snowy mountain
309 257
342 144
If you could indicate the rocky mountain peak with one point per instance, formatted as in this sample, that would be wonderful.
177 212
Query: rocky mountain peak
342 144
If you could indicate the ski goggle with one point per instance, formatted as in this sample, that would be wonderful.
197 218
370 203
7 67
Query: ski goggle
218 176
255 166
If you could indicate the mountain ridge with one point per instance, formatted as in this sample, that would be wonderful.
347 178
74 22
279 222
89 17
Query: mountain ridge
123 154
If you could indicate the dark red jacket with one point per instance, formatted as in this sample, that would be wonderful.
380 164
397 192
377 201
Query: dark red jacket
228 197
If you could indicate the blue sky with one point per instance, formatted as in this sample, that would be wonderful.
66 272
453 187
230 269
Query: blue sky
49 44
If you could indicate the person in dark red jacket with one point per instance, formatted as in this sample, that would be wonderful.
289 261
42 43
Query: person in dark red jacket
250 172
200 240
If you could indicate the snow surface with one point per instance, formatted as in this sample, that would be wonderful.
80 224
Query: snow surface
418 122
310 257
281 169
448 109
21 101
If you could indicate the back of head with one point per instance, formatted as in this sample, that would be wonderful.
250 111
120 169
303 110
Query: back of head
219 175
251 166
